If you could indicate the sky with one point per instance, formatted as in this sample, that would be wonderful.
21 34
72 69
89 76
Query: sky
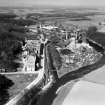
52 2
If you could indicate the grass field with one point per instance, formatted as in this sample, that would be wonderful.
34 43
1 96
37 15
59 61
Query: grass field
20 82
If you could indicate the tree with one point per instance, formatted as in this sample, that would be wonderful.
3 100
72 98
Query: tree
10 46
5 83
91 30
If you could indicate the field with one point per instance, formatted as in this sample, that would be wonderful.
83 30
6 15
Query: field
83 17
20 82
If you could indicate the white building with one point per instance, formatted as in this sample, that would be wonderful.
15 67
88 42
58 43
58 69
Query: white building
49 27
29 64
